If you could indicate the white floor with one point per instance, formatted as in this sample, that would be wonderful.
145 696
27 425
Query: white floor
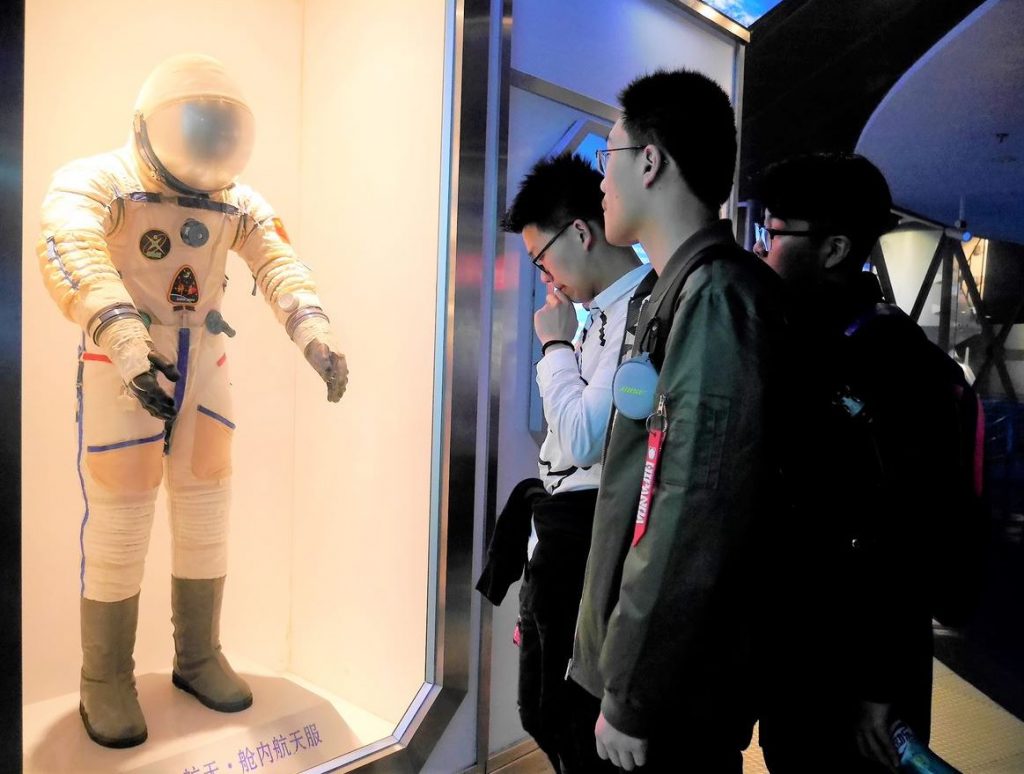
291 727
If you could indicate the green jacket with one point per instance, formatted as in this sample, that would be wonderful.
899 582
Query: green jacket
665 627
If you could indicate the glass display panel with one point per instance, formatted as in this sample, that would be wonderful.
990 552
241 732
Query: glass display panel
324 608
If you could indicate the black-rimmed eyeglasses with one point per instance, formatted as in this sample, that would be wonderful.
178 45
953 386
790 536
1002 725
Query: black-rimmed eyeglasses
765 235
602 156
536 260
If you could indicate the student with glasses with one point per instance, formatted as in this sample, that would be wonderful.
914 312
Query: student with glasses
558 213
849 610
664 646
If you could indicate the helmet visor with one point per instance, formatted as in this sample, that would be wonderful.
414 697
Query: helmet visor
203 142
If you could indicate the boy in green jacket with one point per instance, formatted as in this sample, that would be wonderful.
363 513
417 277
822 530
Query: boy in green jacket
664 638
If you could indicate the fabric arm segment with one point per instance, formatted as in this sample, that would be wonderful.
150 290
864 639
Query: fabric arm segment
285 282
306 324
77 268
121 333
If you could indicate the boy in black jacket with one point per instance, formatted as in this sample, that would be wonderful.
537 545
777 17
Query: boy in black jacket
849 609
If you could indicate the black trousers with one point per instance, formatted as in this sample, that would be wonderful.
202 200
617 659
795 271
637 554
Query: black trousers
807 755
556 712
549 602
825 741
820 736
808 712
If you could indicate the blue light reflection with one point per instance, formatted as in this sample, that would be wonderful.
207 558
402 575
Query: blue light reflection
746 12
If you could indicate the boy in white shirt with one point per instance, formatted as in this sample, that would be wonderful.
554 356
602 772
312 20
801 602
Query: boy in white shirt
558 212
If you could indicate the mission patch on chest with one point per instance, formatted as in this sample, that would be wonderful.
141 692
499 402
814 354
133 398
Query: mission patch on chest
155 244
185 287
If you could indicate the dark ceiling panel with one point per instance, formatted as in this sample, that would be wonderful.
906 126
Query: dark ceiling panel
816 69
949 136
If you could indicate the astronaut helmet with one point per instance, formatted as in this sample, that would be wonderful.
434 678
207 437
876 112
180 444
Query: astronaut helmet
192 125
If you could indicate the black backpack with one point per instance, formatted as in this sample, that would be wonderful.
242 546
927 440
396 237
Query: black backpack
957 528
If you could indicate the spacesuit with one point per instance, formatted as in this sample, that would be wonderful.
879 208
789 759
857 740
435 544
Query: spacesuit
133 249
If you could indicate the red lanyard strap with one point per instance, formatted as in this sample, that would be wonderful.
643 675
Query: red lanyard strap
657 426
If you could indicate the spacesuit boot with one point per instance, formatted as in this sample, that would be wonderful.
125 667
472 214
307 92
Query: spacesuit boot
109 703
199 666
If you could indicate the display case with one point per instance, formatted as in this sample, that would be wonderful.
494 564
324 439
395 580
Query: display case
338 513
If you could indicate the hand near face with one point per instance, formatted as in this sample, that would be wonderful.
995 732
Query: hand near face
625 751
556 319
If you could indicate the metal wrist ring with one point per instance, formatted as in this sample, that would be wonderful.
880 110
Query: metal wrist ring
299 315
104 318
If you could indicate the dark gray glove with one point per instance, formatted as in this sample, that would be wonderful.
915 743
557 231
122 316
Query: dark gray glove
149 392
331 366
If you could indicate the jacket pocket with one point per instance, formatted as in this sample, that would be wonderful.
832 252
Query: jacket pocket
697 428
211 451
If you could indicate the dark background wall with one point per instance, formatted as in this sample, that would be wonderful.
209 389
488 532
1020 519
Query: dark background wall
1004 281
12 65
816 69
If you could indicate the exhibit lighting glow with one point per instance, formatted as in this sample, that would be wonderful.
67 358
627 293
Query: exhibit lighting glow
746 12
588 145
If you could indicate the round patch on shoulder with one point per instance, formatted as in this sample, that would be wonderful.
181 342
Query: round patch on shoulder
155 244
194 233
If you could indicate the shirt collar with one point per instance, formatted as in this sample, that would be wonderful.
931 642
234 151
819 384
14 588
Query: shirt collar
619 288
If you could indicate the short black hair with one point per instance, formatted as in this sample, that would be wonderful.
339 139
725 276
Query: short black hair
690 118
555 192
842 193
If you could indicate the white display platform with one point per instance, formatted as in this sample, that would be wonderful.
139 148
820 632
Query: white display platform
291 727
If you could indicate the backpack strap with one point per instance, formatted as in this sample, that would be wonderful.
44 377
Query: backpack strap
655 335
633 310
969 402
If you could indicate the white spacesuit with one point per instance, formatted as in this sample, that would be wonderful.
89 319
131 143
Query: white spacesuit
133 249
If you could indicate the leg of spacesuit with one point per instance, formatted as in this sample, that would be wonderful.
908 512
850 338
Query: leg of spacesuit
198 476
199 526
114 540
121 469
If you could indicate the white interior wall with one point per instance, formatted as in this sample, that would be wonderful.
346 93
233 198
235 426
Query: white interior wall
596 49
371 139
330 512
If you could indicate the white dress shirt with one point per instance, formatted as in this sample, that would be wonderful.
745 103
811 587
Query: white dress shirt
576 391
